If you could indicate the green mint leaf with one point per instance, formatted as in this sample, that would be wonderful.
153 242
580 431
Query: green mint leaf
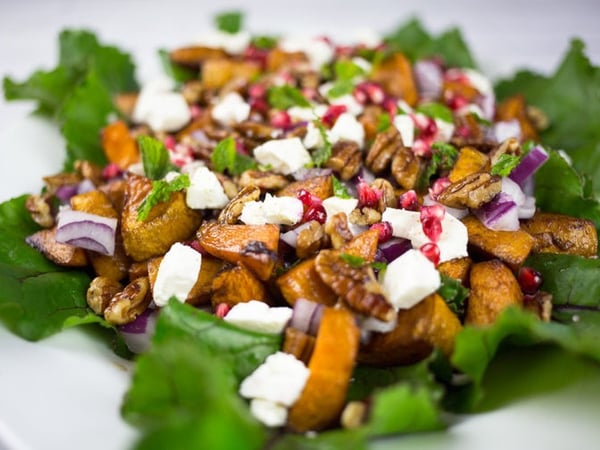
230 22
339 189
340 88
155 157
505 164
454 293
160 193
352 260
379 265
347 70
264 42
226 158
286 96
436 111
384 122
322 154
443 157
178 73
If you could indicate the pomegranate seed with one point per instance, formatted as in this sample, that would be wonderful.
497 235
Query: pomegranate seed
456 102
530 280
376 93
438 187
344 50
456 75
431 251
409 201
259 105
111 170
240 148
421 148
170 142
195 111
463 131
281 119
252 53
307 198
436 211
384 229
360 95
390 104
432 228
367 195
316 212
310 93
257 91
222 309
332 114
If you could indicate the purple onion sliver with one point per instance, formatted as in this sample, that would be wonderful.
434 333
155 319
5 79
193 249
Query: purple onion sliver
65 192
88 244
86 186
531 162
506 129
315 320
429 79
306 174
140 323
501 214
395 247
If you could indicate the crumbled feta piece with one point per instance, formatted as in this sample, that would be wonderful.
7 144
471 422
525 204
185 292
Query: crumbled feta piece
205 190
409 279
407 224
347 127
280 379
445 130
277 210
365 65
478 81
404 107
306 114
160 108
269 413
232 43
231 109
334 205
313 138
406 127
316 50
283 155
177 274
258 316
507 129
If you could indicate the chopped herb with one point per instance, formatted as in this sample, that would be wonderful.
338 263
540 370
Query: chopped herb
178 73
226 158
264 42
345 72
480 120
155 157
286 96
505 164
340 88
161 192
384 122
352 260
527 146
443 157
454 293
321 155
229 22
339 189
436 111
379 265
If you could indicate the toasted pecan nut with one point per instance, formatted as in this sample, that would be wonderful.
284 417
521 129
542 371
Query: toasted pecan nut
40 211
380 155
194 56
310 240
126 305
388 194
321 186
471 191
233 210
53 182
256 130
356 285
337 229
346 159
406 167
265 180
509 146
100 292
364 216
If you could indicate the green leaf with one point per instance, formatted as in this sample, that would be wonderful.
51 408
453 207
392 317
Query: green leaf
264 42
226 158
161 192
436 111
443 157
37 298
339 189
384 122
560 189
505 164
340 88
84 115
570 99
230 21
155 157
177 73
353 260
454 293
322 154
286 96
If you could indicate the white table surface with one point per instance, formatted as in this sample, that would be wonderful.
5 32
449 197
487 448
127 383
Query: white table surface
503 35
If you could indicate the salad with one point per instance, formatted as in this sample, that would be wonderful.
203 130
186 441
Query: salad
325 244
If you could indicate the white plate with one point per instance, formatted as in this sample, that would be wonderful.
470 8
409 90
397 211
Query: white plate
65 392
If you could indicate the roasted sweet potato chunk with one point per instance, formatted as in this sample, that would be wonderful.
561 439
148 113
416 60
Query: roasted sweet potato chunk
167 223
469 161
442 327
237 285
254 246
61 254
303 281
457 268
331 365
194 56
216 73
278 59
396 77
119 146
94 202
557 233
512 247
321 187
493 289
299 344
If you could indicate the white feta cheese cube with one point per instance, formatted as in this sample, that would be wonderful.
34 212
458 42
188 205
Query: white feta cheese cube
258 316
478 81
177 274
409 279
205 190
230 109
283 155
283 210
269 413
253 214
352 105
313 138
280 379
444 130
406 127
365 65
160 108
347 127
316 50
334 205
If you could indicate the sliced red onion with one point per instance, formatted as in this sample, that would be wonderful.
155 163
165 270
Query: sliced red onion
501 214
527 209
89 231
506 129
429 77
514 190
487 103
138 334
306 174
291 237
531 162
65 192
86 186
306 316
393 248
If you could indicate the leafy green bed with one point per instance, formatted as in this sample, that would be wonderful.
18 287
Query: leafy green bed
183 393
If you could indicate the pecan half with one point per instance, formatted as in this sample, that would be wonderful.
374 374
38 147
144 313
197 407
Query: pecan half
472 191
346 159
100 293
388 195
384 147
337 229
509 146
232 211
40 211
364 216
256 130
267 181
310 240
406 167
126 305
355 284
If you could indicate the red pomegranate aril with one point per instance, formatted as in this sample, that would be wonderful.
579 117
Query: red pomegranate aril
281 119
409 201
360 95
384 229
316 212
421 148
456 102
530 280
376 93
310 93
463 131
432 228
332 114
390 104
367 196
436 211
111 170
438 187
170 142
259 105
222 309
431 251
307 198
343 50
240 147
257 91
